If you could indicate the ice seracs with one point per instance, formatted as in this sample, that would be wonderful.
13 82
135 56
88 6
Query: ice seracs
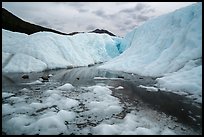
169 47
45 50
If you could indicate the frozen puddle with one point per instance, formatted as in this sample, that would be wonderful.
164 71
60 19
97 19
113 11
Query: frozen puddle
69 110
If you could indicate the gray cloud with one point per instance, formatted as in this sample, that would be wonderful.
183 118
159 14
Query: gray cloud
117 17
82 10
65 18
140 6
150 10
119 3
123 29
133 16
79 6
75 4
100 13
43 23
128 10
128 28
142 18
127 22
90 27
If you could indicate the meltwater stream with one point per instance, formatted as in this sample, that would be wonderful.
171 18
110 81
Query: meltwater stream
179 108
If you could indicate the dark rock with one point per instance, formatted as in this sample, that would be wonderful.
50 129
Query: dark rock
77 78
184 129
45 78
100 31
25 76
90 65
73 33
120 77
70 67
33 114
41 109
66 123
140 78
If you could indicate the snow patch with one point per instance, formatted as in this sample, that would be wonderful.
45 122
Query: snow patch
66 87
119 87
149 88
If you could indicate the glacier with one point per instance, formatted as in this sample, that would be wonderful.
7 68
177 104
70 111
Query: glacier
46 50
168 48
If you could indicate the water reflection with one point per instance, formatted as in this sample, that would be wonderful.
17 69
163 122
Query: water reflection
172 104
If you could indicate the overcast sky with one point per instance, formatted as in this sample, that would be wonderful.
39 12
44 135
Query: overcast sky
117 17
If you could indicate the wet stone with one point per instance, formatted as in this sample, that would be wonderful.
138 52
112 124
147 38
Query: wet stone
66 122
25 76
121 77
184 129
42 109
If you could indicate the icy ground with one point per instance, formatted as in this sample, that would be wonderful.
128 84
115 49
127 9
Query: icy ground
84 110
62 108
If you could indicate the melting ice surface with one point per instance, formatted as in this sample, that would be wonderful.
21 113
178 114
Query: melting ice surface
67 105
85 110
